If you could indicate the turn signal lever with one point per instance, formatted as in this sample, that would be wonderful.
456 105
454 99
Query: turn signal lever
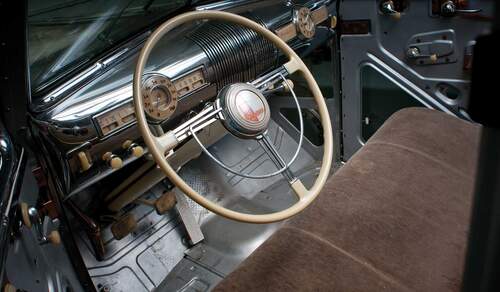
281 87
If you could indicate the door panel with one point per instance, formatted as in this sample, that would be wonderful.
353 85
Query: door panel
423 57
380 97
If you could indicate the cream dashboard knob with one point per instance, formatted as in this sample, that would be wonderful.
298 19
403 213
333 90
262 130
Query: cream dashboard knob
137 151
133 148
116 163
85 162
113 161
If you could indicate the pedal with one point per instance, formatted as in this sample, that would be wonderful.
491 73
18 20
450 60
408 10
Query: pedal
165 203
192 227
124 226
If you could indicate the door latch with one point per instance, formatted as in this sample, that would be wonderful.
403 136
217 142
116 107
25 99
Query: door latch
432 48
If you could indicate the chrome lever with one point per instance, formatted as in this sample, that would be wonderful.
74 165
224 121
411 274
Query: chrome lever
31 217
468 10
449 9
414 53
388 8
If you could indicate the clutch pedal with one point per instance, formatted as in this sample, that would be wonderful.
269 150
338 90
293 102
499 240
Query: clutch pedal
169 200
124 226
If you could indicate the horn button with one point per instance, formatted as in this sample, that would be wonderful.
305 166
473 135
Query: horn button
246 111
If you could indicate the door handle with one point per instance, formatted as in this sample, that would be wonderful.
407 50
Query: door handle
431 50
449 9
415 53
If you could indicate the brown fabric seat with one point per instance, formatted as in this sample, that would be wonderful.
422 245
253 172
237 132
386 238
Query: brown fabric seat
394 218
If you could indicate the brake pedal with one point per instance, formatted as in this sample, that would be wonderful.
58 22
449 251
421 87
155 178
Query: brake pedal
124 226
162 205
165 203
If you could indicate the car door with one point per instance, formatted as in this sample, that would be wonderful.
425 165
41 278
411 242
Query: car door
401 53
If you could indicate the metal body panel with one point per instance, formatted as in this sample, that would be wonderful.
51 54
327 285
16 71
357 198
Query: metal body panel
384 48
11 170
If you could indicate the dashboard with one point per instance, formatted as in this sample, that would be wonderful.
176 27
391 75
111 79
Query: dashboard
90 133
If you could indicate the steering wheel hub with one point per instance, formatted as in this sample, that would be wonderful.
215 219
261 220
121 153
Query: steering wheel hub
246 111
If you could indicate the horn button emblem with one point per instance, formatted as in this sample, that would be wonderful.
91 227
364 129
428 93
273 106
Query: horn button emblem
246 111
249 106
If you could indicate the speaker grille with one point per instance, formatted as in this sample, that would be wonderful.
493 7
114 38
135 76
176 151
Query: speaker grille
236 53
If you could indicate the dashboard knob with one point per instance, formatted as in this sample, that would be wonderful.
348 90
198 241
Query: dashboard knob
137 151
113 161
133 148
116 163
85 162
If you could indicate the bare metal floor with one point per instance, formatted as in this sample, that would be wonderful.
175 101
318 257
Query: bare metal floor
157 257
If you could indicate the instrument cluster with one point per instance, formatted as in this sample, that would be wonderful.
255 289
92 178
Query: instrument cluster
160 96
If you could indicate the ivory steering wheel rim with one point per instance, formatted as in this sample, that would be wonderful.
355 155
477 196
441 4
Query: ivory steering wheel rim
305 196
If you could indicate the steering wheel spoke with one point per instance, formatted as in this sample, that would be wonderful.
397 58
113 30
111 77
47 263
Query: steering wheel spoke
207 116
166 142
171 139
299 189
295 183
268 80
292 66
268 146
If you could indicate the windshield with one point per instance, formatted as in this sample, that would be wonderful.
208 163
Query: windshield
63 34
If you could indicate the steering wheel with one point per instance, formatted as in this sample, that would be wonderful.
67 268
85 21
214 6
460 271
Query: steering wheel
244 111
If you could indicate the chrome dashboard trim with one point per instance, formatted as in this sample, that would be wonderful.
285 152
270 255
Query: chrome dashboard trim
98 66
224 5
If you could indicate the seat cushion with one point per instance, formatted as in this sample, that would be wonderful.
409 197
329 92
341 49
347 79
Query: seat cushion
296 260
395 217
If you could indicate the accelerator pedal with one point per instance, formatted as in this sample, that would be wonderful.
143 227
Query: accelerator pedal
192 227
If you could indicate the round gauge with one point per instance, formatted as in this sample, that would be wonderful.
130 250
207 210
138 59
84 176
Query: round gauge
304 23
159 96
